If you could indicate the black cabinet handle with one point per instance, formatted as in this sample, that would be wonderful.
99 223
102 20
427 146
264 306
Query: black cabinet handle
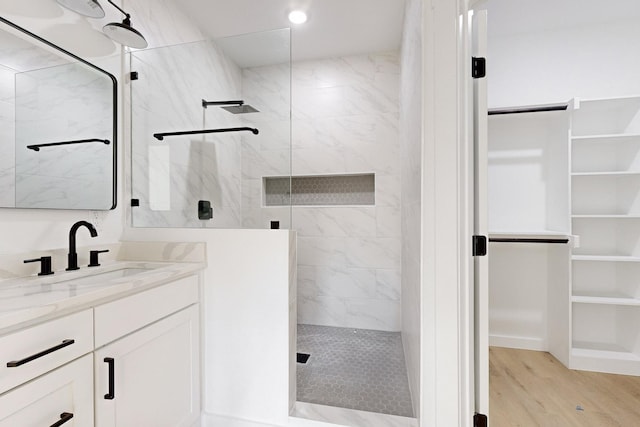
63 344
64 417
112 382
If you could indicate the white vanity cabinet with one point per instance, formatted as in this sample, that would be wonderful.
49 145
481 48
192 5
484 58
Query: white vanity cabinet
149 377
63 397
132 361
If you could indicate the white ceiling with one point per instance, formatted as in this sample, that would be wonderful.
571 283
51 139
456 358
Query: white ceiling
507 17
346 27
334 27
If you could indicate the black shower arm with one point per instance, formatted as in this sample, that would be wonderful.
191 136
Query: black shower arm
206 103
118 7
36 147
160 136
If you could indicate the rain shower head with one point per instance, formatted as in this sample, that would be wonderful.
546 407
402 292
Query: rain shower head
234 107
241 109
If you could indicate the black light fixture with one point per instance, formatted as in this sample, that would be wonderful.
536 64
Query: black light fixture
120 32
89 8
124 33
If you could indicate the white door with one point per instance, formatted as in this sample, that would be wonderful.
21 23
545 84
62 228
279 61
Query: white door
481 263
151 377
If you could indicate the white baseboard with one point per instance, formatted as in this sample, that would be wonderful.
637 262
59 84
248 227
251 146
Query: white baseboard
522 343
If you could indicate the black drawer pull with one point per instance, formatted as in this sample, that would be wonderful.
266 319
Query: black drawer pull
64 417
112 382
63 344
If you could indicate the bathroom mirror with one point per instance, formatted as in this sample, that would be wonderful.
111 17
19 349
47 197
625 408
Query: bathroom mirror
57 126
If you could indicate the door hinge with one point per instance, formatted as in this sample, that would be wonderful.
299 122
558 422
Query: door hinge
478 67
479 245
135 202
134 75
480 420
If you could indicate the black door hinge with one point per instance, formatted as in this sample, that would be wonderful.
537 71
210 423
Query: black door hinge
479 245
133 75
478 67
480 420
135 202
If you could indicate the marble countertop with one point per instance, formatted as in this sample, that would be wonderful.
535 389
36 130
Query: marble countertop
32 299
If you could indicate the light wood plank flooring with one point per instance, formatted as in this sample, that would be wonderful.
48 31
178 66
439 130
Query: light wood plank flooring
532 388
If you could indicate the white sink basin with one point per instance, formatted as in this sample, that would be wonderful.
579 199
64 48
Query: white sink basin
34 292
97 279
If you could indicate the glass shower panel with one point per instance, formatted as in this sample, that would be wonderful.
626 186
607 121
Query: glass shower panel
210 120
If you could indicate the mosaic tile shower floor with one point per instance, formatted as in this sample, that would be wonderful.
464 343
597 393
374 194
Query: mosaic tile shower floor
353 368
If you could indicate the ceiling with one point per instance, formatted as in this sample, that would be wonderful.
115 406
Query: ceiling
509 17
334 27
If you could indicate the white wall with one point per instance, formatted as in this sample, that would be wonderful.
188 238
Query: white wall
411 166
549 66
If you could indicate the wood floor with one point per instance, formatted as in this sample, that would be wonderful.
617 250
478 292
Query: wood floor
532 388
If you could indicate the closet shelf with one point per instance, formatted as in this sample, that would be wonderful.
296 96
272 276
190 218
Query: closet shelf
545 234
605 173
610 299
606 258
618 137
605 216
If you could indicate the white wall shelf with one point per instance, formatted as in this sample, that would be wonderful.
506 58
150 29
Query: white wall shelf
606 258
605 200
542 234
607 116
601 299
612 216
605 173
608 138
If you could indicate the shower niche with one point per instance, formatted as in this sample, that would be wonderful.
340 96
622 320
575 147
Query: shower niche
213 133
327 190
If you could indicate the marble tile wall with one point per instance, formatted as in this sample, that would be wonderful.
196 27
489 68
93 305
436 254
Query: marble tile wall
62 103
411 158
7 136
345 121
267 88
53 103
202 167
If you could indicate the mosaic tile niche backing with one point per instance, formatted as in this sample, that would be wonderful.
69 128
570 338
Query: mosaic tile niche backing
332 190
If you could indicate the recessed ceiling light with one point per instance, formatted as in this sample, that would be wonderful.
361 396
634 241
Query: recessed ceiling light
298 17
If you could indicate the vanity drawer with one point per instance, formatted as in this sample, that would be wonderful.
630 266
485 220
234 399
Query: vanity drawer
118 318
34 351
63 394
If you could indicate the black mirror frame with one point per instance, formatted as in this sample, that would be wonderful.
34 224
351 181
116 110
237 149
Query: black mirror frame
114 139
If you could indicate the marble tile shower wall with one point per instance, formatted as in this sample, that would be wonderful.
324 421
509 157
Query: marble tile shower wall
7 133
268 89
201 167
345 121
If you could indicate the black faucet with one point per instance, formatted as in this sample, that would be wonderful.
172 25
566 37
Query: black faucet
73 256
